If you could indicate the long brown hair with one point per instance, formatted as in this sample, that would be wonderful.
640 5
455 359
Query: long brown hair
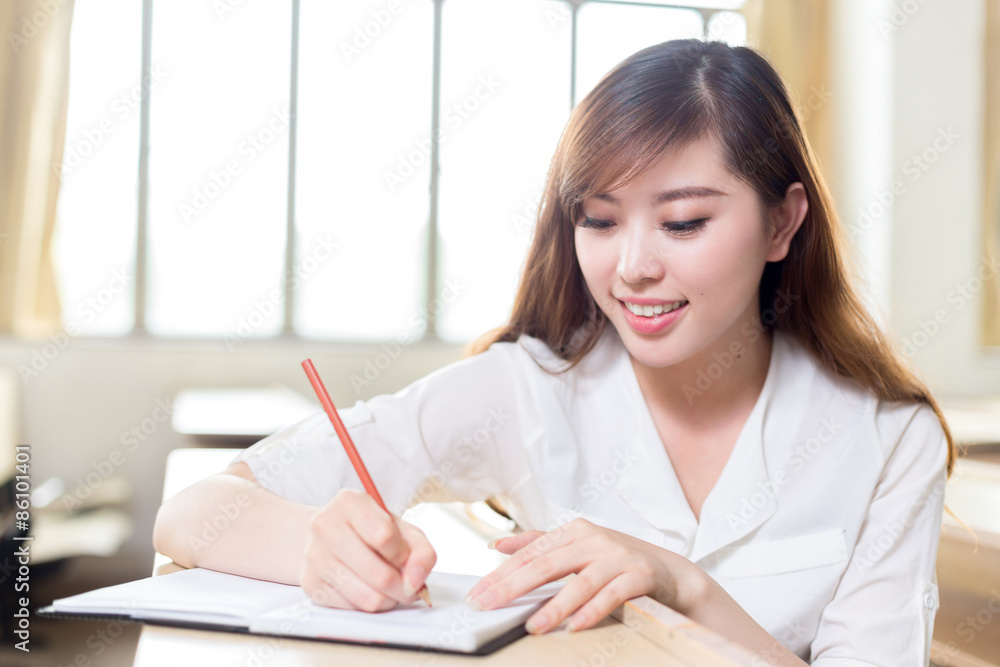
663 97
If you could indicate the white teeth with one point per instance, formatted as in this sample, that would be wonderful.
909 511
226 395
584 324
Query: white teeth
652 311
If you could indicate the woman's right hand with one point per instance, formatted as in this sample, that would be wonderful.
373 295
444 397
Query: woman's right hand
358 556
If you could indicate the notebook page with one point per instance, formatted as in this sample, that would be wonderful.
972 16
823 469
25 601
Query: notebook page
189 595
449 624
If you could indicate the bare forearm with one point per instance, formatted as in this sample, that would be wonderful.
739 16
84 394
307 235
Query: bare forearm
232 524
708 603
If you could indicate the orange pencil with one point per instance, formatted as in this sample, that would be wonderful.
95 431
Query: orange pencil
352 453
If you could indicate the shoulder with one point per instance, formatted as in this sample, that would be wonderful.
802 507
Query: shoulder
535 357
863 418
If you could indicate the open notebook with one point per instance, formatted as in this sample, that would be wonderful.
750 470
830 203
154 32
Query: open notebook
214 600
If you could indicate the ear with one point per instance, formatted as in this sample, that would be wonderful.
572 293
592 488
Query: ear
786 218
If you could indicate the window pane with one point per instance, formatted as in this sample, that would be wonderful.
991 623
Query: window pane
362 174
609 33
218 167
728 27
504 100
94 244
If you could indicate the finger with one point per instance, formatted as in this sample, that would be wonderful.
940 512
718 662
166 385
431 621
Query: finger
573 597
623 587
538 544
335 539
508 545
379 530
539 570
366 578
419 563
321 591
333 583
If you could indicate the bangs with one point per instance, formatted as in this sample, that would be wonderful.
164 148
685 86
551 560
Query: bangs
622 128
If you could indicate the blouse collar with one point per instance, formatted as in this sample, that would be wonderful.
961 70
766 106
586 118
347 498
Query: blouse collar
743 497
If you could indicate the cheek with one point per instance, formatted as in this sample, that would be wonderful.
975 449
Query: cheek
593 260
726 268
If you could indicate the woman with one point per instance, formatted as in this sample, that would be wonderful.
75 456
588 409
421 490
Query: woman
741 443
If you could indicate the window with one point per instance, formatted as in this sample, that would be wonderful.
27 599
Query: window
239 170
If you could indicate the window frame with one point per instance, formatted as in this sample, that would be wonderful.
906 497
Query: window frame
288 330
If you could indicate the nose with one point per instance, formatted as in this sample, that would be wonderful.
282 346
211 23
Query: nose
637 260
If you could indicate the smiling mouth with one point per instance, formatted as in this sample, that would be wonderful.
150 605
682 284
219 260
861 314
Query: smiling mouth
653 311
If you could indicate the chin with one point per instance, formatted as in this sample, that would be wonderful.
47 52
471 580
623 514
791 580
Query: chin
657 352
655 359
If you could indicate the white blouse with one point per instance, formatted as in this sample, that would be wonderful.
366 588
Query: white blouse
823 525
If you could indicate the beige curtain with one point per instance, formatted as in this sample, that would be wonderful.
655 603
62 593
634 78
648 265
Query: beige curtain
34 88
794 35
991 170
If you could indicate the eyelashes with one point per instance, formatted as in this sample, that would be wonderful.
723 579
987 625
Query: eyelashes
676 228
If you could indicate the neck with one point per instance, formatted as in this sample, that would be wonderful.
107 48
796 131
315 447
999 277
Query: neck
725 378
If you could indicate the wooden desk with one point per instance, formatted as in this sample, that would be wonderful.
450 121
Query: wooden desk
642 631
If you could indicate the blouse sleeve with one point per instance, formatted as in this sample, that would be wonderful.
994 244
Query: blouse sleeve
451 435
883 610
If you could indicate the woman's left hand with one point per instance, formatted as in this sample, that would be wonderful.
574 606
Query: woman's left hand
611 567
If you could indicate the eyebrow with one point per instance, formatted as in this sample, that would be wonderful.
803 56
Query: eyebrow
689 192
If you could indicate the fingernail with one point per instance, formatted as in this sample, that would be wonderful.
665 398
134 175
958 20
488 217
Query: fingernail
413 580
574 624
477 589
536 623
492 544
483 601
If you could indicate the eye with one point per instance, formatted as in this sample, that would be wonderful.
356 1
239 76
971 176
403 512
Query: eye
684 228
596 224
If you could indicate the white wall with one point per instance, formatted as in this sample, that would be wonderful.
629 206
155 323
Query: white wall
924 239
937 239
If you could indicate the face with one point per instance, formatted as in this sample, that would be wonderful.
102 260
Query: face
687 238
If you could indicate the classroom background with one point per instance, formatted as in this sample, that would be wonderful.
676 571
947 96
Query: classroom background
195 196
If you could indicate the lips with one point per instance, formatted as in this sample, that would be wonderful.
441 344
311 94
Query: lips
656 323
650 310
